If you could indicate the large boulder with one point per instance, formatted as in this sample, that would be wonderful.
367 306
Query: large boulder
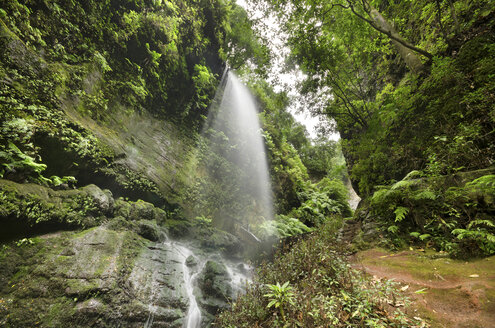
215 285
94 278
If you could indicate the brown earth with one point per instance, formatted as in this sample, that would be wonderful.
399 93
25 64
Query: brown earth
443 292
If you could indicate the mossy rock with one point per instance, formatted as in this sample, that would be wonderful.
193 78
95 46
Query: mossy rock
215 285
150 230
96 277
31 208
139 210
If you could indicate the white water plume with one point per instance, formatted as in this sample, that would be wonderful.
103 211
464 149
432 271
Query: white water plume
237 160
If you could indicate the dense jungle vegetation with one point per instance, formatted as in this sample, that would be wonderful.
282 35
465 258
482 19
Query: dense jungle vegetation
410 87
115 95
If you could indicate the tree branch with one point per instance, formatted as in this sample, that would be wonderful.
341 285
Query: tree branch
388 33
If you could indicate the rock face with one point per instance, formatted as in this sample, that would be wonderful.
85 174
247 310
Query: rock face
157 281
216 288
118 270
89 256
95 278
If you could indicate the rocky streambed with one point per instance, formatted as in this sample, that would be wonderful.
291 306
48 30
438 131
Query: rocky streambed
127 264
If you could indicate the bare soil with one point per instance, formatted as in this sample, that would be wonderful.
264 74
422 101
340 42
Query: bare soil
443 292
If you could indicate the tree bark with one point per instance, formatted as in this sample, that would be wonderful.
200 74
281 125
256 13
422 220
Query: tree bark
406 51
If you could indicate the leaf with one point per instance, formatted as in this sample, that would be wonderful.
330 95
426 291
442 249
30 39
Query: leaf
393 229
424 236
474 276
400 213
421 291
271 304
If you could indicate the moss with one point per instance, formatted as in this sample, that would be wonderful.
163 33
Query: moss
51 282
59 312
28 207
488 303
178 228
428 266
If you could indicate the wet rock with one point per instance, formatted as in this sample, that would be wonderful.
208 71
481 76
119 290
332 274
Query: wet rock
102 198
215 285
158 278
90 306
220 240
139 210
94 278
150 231
191 261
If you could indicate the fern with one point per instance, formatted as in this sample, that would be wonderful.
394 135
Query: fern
424 236
413 175
424 195
403 184
400 213
393 229
487 223
379 196
487 181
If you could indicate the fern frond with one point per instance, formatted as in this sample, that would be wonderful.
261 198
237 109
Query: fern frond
403 184
400 213
425 195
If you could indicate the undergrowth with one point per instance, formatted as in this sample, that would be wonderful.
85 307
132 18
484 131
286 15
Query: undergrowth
310 284
426 211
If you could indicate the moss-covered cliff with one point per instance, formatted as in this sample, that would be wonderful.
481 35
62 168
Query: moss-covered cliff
100 108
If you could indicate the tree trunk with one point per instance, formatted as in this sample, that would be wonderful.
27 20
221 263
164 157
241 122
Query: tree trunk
407 54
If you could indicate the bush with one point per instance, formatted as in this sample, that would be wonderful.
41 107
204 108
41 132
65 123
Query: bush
325 291
455 219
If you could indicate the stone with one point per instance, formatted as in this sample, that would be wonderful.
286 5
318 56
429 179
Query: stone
215 285
102 198
150 231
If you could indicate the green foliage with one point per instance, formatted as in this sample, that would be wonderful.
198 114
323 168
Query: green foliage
324 290
279 296
33 209
321 158
282 226
452 220
136 54
478 234
400 213
243 45
391 118
204 83
322 200
24 242
203 222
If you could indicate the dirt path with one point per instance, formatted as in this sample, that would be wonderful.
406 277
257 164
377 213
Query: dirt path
444 292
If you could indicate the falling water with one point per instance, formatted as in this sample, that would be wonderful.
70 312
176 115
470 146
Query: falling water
193 318
234 133
239 273
236 185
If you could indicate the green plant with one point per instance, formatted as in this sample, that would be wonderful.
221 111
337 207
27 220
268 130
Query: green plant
25 242
280 296
480 233
327 292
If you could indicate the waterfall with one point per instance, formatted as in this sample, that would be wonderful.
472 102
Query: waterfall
237 163
234 190
193 318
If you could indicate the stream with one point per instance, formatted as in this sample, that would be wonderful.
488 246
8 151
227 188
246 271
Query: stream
193 264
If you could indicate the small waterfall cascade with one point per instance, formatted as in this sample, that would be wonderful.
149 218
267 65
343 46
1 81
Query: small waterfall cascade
192 266
193 318
234 134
